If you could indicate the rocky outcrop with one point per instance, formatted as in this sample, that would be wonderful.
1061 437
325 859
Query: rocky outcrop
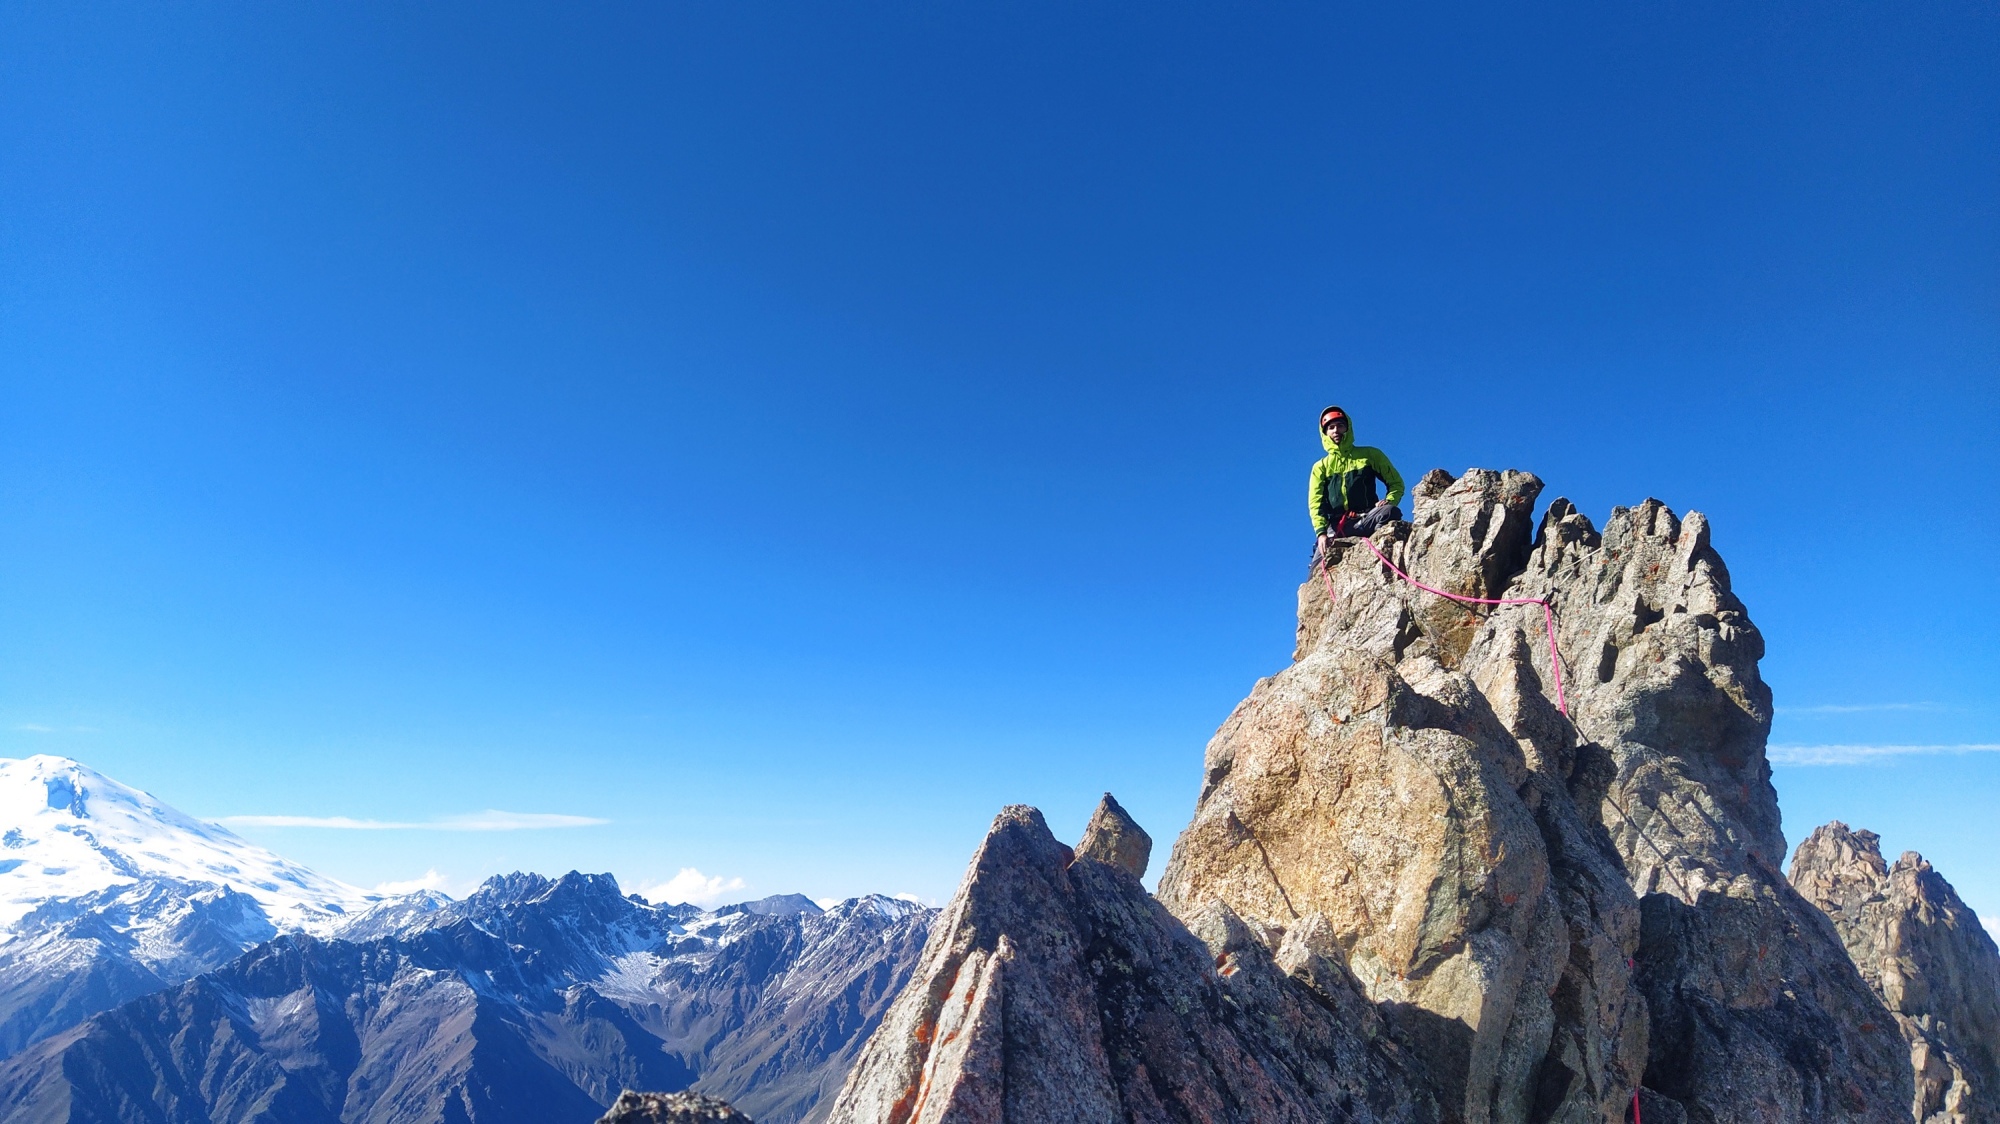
1055 988
671 1108
1402 785
532 1000
1924 952
1112 837
1410 787
1755 1013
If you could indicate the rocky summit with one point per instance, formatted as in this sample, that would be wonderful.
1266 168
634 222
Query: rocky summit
1436 871
1511 861
1926 955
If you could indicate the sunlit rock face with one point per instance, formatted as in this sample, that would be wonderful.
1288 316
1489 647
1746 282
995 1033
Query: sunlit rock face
1410 785
1925 953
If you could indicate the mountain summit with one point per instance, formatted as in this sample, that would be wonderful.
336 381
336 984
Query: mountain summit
71 830
107 894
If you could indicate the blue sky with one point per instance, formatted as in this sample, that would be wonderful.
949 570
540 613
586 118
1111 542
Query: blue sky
788 432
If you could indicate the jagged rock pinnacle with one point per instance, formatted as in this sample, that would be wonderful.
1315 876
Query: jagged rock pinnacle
1925 953
1498 911
1053 990
1409 785
1112 837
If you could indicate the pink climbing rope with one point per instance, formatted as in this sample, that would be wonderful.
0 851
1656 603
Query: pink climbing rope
1548 614
1555 657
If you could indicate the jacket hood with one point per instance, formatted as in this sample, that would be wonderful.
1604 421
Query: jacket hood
1346 442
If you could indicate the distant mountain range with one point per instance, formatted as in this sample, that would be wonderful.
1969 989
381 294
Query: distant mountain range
156 968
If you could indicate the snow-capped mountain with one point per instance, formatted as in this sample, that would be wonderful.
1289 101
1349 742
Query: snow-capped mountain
154 967
532 1001
67 830
107 894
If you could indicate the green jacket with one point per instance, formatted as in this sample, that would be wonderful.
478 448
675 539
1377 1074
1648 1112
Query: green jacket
1344 480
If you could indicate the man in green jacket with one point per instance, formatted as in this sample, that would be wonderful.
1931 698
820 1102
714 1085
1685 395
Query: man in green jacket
1342 495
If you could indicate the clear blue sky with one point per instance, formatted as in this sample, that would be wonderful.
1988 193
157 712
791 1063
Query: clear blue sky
791 431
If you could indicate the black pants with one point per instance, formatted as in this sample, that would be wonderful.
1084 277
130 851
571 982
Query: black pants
1366 523
1358 526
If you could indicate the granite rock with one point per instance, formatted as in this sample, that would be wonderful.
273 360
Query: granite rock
1402 786
1756 1011
1412 784
1925 954
1055 988
1112 837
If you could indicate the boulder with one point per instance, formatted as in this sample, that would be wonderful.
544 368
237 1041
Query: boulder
1926 955
670 1108
1112 837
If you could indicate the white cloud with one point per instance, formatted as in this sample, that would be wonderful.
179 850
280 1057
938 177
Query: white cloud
909 897
428 880
827 903
691 886
1862 754
489 820
36 728
1857 708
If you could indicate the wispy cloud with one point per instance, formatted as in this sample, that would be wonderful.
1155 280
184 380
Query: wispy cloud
35 728
428 880
1855 708
691 886
1862 754
474 821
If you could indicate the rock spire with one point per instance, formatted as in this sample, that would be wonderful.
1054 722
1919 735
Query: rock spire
1925 953
1550 911
1112 837
1055 988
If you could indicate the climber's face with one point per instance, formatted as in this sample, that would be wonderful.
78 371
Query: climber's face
1334 426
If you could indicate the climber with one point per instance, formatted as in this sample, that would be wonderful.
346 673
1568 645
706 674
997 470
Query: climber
1342 494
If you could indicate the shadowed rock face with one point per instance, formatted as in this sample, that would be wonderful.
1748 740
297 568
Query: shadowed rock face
1409 785
1925 953
1054 988
1755 1013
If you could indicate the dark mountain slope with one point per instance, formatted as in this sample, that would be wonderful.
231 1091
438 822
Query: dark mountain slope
531 1001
